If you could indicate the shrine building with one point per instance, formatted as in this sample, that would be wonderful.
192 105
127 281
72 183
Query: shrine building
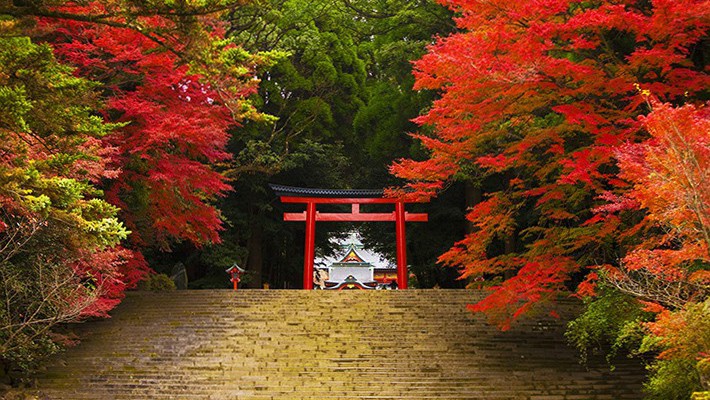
353 270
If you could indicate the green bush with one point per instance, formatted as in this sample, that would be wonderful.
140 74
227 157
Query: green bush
18 364
157 283
609 324
674 379
614 322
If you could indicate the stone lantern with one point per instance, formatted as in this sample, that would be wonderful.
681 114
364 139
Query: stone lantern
234 272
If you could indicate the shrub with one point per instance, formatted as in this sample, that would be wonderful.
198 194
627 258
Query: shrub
610 323
158 283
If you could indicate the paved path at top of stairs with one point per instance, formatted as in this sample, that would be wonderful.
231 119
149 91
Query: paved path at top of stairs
288 344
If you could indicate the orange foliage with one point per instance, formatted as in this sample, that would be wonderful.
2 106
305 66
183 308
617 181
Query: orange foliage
545 92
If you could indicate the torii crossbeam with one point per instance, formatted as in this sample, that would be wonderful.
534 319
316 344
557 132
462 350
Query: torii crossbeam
354 197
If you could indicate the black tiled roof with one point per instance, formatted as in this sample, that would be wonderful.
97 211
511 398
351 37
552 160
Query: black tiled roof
282 190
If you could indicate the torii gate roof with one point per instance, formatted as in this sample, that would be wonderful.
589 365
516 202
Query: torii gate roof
291 191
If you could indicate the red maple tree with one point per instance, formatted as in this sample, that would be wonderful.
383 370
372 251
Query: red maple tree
535 98
176 105
669 175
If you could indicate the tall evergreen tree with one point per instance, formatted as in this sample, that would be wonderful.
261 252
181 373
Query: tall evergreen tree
344 102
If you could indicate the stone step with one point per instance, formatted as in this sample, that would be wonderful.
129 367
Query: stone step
261 344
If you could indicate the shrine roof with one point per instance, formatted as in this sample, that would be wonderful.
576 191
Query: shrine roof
352 256
292 191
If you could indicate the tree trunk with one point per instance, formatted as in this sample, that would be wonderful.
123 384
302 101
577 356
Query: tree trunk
509 247
255 258
472 196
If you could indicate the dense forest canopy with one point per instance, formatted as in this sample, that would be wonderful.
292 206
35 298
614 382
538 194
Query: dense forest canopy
564 146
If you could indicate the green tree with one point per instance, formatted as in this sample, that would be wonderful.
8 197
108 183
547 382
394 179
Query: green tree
313 92
344 105
394 33
57 236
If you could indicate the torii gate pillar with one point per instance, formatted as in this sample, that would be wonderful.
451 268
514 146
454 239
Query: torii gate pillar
402 275
310 247
312 197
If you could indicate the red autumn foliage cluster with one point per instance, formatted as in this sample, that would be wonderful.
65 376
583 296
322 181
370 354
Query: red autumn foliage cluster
669 175
671 180
175 127
537 99
111 272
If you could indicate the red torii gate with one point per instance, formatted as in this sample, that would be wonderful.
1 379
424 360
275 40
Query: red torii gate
354 197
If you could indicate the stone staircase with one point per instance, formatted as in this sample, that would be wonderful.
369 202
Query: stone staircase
288 344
